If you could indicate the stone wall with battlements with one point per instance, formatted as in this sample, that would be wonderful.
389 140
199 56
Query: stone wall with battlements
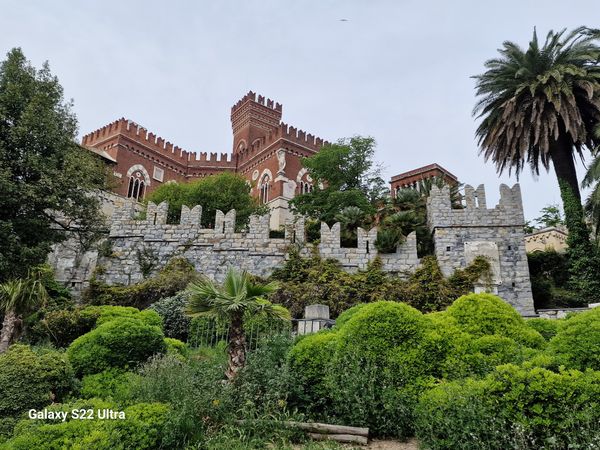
213 250
497 233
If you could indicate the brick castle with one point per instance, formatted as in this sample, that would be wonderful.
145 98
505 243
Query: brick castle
266 151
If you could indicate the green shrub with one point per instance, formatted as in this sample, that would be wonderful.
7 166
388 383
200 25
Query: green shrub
122 342
487 314
61 327
309 360
176 348
32 378
262 386
142 429
174 277
513 407
112 384
346 315
106 313
380 367
176 323
195 390
546 327
577 341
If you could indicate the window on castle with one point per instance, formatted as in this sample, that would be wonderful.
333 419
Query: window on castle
136 188
264 189
158 174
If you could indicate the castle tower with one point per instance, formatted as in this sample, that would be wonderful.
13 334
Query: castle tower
252 119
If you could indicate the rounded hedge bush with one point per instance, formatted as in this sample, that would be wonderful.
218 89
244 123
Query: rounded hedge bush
513 407
122 342
32 378
546 327
577 341
487 314
143 428
177 348
106 313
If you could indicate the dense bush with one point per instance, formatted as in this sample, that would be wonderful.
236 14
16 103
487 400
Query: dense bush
513 407
176 323
32 378
195 390
549 272
123 342
143 428
306 281
174 277
546 327
176 348
112 384
107 313
577 341
309 360
61 326
487 314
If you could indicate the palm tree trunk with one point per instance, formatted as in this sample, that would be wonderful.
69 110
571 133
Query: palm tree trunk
9 331
237 346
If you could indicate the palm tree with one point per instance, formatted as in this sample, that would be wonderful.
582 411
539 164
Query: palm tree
592 179
17 298
540 106
237 296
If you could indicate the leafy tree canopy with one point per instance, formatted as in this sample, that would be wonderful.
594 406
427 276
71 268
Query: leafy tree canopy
223 192
550 216
45 176
348 177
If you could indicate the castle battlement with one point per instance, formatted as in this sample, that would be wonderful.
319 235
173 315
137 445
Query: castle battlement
251 97
508 211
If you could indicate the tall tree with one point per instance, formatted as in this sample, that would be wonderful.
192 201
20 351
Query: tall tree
539 106
45 177
550 216
592 180
238 295
345 176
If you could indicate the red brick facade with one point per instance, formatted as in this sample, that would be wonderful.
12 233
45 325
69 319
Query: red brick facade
266 151
412 178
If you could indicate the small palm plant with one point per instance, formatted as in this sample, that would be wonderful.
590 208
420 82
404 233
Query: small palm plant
237 296
17 298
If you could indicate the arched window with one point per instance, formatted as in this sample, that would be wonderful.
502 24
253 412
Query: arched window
264 188
137 187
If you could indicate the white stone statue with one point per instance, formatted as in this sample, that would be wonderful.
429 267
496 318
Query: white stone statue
281 160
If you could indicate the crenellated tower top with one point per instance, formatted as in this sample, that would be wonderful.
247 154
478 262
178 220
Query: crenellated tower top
253 118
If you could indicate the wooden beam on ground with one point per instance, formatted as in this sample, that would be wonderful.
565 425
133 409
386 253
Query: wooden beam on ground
328 429
343 438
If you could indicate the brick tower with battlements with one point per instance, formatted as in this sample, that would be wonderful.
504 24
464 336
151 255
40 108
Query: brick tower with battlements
266 152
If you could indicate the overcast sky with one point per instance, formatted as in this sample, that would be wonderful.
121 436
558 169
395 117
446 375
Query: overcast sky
395 70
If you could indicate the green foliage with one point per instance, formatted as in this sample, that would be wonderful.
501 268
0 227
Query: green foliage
143 428
592 180
176 323
546 327
222 192
176 348
388 240
62 326
32 378
584 259
347 171
42 168
174 277
123 343
577 341
306 281
512 408
262 386
487 314
112 384
198 398
549 272
309 360
107 313
551 216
